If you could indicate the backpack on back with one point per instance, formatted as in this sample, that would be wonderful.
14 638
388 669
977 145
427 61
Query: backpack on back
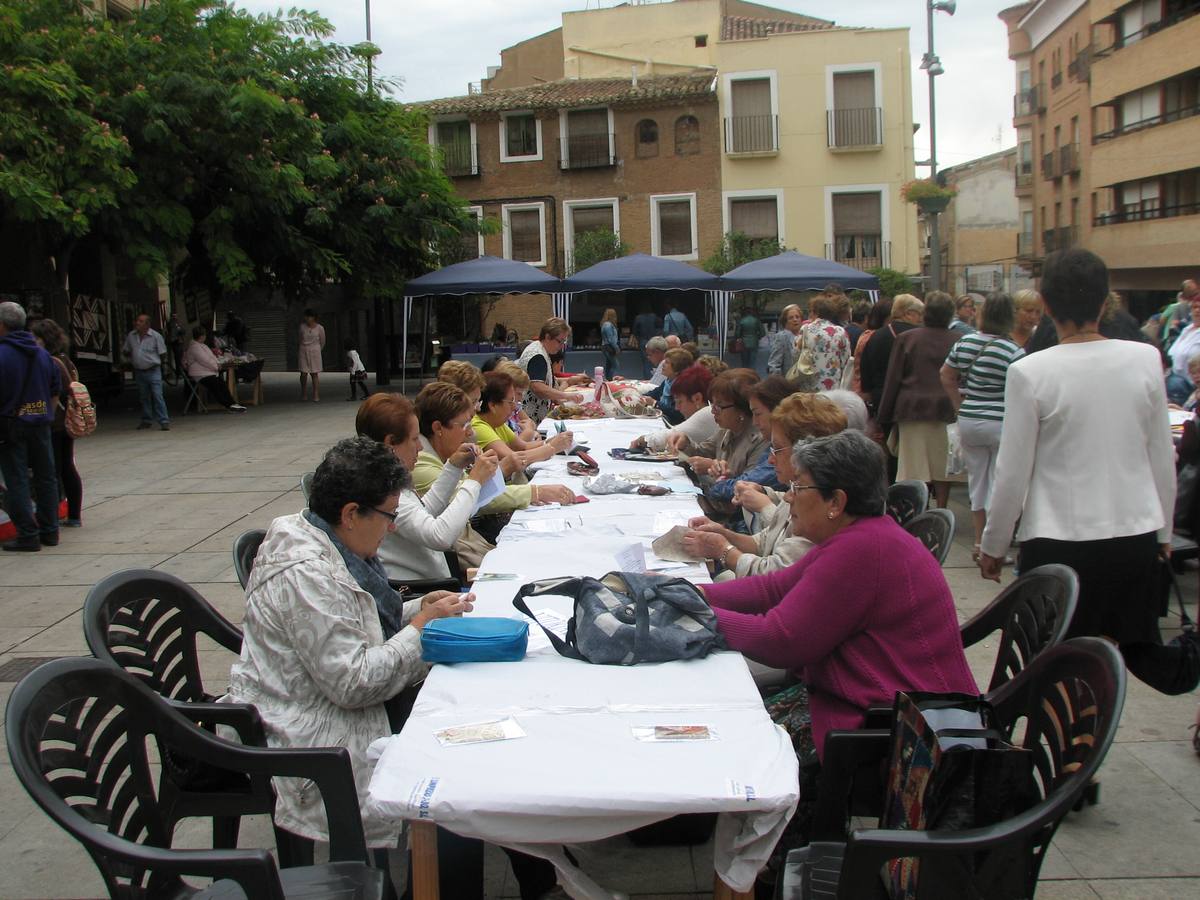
80 420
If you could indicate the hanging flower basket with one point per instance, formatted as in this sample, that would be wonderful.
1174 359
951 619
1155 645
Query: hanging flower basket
928 195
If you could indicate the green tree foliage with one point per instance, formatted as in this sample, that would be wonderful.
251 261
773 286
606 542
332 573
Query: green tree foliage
892 282
595 246
243 149
738 248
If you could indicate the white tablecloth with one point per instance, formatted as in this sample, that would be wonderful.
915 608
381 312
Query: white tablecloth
579 774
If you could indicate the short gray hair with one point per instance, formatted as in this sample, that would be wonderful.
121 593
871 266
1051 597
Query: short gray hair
355 470
850 462
658 342
12 315
852 405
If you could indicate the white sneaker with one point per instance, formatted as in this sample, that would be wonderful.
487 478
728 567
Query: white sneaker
237 407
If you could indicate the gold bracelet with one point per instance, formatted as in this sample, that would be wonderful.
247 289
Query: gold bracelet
724 555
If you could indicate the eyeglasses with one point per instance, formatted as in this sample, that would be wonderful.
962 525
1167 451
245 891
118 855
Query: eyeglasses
724 405
796 487
775 451
390 516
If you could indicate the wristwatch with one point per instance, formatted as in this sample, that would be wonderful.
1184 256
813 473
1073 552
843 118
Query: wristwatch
725 554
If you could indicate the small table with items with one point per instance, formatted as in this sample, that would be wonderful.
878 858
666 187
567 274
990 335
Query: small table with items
247 367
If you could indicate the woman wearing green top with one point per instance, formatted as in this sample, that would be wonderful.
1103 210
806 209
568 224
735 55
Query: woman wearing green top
443 417
497 401
973 376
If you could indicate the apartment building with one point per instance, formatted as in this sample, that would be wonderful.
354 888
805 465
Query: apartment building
1105 109
812 128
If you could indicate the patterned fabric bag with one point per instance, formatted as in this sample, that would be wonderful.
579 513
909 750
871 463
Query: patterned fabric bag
80 420
626 618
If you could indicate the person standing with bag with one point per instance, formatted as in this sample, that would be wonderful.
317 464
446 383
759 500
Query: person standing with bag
610 343
29 389
52 338
973 378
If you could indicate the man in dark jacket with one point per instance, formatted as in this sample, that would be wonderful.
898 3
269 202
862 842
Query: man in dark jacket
29 389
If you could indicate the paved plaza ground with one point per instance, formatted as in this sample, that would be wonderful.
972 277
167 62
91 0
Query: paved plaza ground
176 500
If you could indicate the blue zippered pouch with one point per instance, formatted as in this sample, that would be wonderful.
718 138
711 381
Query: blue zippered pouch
474 639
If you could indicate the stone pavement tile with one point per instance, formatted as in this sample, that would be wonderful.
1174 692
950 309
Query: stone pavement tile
186 511
1056 867
109 538
1151 716
64 638
12 637
227 597
1141 828
1144 888
62 568
283 505
214 668
226 484
1175 762
194 567
617 865
41 860
40 605
1064 890
972 593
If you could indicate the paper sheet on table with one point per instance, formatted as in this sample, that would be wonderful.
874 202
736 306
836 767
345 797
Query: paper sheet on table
1178 417
548 526
489 491
668 519
631 558
548 618
680 486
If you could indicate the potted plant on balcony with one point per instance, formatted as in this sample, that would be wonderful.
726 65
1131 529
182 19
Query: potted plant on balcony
929 196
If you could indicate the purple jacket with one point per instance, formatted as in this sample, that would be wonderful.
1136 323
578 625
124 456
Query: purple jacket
864 614
20 354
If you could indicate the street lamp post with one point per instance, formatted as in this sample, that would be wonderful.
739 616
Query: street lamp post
933 68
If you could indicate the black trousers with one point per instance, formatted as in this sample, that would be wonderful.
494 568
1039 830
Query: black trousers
218 389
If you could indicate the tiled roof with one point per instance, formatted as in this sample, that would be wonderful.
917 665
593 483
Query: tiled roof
577 92
744 28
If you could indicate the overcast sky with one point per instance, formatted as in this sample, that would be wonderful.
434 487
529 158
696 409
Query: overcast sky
436 47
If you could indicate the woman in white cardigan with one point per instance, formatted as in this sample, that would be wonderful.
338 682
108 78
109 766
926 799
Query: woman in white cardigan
1086 462
426 526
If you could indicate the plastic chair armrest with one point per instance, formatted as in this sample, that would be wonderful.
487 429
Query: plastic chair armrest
241 717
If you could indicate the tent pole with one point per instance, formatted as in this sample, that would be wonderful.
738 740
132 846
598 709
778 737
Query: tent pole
404 346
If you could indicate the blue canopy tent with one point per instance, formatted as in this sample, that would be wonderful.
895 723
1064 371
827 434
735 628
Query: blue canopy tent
792 271
639 271
485 275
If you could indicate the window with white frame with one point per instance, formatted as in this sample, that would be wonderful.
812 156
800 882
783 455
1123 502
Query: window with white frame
752 113
673 232
525 232
757 217
456 141
854 116
520 137
587 140
583 216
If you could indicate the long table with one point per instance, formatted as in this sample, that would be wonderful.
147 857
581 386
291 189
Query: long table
579 774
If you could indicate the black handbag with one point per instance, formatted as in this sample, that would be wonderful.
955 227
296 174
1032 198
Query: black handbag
1172 668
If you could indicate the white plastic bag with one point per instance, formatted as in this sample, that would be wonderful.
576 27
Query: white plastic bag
955 463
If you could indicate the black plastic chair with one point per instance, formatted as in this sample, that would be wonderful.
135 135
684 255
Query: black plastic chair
78 735
1032 614
245 548
935 529
907 499
1069 703
146 623
306 484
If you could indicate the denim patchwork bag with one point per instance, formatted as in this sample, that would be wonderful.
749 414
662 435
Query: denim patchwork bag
626 618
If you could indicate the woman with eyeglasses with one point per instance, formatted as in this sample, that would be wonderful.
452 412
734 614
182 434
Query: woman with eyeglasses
426 526
327 645
771 546
865 613
738 452
536 360
493 434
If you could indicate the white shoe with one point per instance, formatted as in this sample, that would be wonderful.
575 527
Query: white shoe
237 407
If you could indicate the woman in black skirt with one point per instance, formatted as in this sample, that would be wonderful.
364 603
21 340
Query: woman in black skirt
1086 462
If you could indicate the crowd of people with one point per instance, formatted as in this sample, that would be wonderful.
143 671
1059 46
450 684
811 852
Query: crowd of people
1064 437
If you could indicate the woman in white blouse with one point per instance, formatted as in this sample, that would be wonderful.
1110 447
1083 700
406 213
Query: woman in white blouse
1086 461
426 526
1187 345
689 393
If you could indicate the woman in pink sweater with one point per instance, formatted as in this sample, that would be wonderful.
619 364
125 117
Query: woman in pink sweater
867 612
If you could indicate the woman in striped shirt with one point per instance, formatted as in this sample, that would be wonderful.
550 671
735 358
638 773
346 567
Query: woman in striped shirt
974 376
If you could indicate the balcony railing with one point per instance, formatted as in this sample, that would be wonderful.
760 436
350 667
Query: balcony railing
460 158
1025 245
854 127
1080 68
863 263
751 134
1068 159
1056 81
1185 12
1050 166
1025 177
1030 101
1171 116
586 151
1145 211
1059 238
